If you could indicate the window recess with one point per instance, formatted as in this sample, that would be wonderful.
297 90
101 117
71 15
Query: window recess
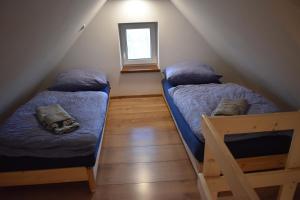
138 46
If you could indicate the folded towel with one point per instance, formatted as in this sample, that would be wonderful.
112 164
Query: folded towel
56 119
231 107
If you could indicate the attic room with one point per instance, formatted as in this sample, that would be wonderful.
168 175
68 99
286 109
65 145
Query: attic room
150 99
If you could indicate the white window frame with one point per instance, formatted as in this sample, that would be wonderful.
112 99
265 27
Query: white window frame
123 42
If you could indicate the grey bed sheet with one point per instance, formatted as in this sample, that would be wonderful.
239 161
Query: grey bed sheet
195 100
22 135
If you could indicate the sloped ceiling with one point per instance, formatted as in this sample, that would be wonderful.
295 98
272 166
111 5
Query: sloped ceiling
35 35
259 38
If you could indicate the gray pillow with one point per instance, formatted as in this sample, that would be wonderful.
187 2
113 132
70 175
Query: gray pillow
79 80
190 72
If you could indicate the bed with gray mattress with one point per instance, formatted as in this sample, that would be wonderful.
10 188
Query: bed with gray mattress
188 102
25 144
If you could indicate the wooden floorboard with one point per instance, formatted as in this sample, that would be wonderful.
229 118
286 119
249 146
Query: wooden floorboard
140 139
174 190
119 127
150 117
145 172
143 154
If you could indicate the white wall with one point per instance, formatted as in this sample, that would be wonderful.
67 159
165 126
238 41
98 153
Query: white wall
34 37
260 38
98 46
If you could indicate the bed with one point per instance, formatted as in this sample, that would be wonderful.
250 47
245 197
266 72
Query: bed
241 148
191 89
29 154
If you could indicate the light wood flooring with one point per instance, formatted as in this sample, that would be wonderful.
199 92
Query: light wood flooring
142 158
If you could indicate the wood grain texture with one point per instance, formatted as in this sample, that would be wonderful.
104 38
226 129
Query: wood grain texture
143 154
46 176
234 175
136 96
145 172
140 68
140 139
173 190
242 184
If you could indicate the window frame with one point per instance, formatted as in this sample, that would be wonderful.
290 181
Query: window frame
153 43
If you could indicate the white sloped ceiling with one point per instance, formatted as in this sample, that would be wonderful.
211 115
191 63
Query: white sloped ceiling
259 38
34 37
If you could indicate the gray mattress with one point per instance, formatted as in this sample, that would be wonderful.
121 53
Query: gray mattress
195 100
22 135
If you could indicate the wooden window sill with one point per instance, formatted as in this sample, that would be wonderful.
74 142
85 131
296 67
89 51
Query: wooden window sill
140 68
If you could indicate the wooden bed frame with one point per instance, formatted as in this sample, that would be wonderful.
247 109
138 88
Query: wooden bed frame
56 175
221 172
247 164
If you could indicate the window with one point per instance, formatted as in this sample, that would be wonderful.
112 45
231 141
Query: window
138 42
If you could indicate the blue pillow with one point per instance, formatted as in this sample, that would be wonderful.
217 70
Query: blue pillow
79 80
186 73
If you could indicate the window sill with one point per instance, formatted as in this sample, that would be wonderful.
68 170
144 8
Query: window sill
140 68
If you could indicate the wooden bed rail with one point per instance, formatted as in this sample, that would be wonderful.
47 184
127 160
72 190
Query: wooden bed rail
221 172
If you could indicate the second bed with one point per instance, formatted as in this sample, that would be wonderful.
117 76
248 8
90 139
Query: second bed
188 102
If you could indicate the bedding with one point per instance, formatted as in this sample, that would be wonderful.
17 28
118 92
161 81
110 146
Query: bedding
79 80
248 147
23 136
203 99
190 73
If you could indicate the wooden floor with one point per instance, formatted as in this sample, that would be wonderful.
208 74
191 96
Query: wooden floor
142 158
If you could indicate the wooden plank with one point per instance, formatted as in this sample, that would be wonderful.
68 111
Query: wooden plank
142 129
91 180
143 154
146 172
203 188
162 125
238 183
255 123
293 159
287 190
136 96
258 179
167 190
32 177
210 166
136 139
140 68
129 102
135 110
139 117
136 102
260 163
